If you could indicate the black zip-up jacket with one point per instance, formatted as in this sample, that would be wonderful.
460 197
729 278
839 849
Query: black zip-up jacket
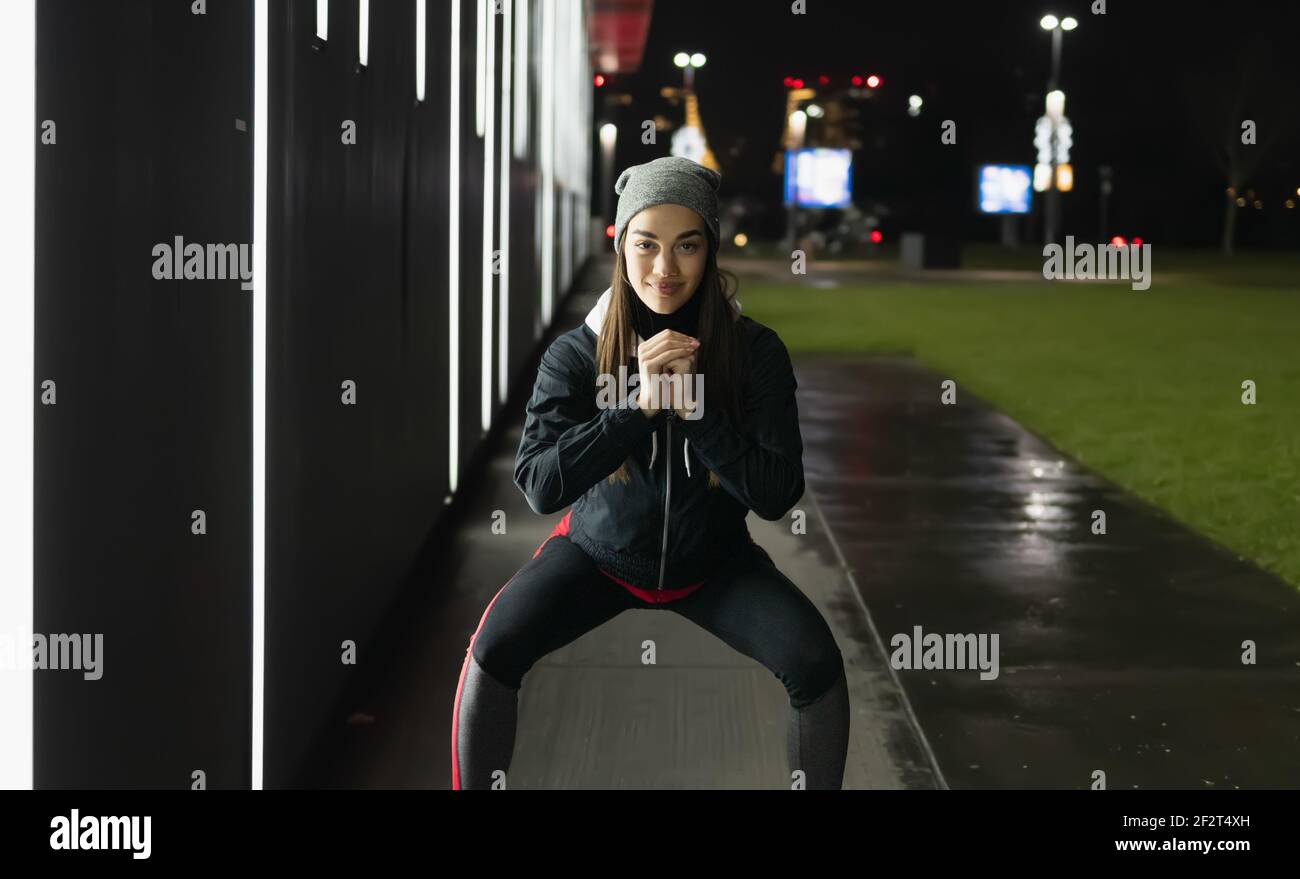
664 528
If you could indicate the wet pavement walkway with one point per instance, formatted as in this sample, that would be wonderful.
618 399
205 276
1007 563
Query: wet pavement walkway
1118 653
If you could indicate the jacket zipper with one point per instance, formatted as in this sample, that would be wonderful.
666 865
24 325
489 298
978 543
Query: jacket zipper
668 493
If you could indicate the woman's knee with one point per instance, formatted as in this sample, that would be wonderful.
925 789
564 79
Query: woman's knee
500 645
786 632
817 667
503 647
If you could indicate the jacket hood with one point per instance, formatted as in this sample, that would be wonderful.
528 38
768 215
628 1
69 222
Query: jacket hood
596 317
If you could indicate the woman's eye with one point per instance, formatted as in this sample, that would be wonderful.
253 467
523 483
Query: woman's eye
690 246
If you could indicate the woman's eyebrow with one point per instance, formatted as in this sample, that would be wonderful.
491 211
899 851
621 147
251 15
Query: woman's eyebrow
686 234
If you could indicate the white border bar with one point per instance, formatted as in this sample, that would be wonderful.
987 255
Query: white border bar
18 348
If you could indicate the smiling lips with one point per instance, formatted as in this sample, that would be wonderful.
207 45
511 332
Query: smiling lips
667 289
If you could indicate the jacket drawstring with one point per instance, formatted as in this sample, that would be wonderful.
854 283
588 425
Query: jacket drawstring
686 452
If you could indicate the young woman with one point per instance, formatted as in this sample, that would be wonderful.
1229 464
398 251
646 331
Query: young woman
660 482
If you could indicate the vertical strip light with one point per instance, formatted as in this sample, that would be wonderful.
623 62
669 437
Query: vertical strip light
363 32
259 294
523 56
566 238
564 131
453 257
530 86
548 161
588 96
480 46
487 92
560 132
323 19
420 14
503 280
18 349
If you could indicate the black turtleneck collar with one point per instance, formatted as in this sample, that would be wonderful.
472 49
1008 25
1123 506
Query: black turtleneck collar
684 320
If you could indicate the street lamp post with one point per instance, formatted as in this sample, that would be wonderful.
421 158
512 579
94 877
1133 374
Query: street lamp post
1103 225
797 125
608 142
689 140
688 62
1057 27
1055 81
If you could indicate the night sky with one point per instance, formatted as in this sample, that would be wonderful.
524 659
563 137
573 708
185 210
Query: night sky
1147 84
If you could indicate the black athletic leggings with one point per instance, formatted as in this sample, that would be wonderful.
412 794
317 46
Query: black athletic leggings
560 594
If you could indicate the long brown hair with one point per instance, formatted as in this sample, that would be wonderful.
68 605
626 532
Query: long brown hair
720 354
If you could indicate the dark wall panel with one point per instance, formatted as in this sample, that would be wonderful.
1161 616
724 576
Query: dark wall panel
472 171
525 187
359 270
352 489
152 413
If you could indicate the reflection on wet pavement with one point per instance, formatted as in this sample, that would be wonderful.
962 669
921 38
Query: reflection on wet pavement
1119 652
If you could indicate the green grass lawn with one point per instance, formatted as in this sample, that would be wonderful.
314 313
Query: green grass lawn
1143 387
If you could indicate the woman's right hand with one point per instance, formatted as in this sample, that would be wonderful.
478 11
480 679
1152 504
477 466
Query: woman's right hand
652 356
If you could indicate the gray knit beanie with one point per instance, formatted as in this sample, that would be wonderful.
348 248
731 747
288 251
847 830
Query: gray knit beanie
667 180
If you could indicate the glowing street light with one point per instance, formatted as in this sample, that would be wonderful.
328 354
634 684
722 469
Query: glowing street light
798 127
688 62
608 135
1065 177
1057 27
608 142
1052 134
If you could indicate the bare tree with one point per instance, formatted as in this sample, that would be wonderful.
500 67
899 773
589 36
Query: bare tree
1251 89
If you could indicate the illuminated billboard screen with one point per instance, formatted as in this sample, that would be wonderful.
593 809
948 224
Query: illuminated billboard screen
1005 189
819 178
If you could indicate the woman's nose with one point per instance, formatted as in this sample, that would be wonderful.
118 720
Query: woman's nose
666 265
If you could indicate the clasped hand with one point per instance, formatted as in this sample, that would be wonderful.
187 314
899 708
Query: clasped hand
667 363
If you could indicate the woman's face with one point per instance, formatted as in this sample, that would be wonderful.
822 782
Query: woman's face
665 249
